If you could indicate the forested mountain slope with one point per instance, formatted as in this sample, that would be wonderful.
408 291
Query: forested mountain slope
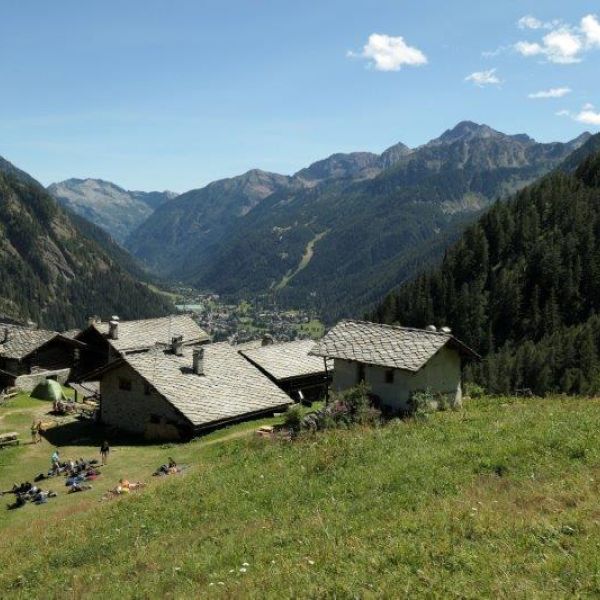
107 205
341 244
56 269
180 234
522 286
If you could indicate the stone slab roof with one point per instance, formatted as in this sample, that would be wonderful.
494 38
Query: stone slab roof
230 388
146 333
385 345
288 360
87 389
21 341
71 333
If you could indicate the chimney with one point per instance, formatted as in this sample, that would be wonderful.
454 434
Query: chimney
177 345
267 340
113 329
198 358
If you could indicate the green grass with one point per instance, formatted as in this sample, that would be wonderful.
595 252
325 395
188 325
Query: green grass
497 500
315 329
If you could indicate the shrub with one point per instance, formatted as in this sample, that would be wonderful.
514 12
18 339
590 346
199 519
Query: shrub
422 403
351 407
293 418
474 390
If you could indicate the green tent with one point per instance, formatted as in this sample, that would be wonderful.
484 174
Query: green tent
48 390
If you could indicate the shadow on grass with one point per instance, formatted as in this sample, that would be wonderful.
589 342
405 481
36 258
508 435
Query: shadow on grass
88 433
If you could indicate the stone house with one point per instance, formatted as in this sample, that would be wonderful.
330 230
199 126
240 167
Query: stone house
300 375
28 356
395 362
176 392
109 341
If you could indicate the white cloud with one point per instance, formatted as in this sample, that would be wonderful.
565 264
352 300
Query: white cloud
483 78
528 48
388 53
587 115
531 22
564 44
590 26
551 93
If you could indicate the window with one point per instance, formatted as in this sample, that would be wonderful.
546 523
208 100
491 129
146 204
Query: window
360 373
125 384
389 376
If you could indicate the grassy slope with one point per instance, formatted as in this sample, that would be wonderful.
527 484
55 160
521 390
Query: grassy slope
497 501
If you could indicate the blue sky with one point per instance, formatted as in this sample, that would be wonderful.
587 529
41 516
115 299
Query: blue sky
159 94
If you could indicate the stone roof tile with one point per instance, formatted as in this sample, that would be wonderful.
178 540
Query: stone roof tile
21 341
230 388
286 360
146 333
384 345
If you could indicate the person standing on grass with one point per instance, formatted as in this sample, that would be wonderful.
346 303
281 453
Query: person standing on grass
104 451
34 433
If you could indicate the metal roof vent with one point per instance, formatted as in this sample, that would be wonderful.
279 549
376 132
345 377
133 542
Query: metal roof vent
431 328
446 329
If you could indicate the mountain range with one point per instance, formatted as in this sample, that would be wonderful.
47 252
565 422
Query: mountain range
339 234
57 268
107 205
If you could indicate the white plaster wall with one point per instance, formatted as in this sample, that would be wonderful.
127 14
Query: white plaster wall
442 374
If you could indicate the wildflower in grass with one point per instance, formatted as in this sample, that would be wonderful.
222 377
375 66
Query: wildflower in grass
243 570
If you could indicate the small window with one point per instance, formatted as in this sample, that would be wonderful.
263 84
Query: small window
147 389
389 376
360 373
125 384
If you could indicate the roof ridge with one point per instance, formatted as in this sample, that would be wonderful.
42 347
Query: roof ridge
394 327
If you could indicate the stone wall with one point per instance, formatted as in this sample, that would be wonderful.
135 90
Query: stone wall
27 383
140 410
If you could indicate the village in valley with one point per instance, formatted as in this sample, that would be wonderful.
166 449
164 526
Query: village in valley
245 320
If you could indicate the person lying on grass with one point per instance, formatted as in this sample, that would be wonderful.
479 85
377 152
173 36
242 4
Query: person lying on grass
169 469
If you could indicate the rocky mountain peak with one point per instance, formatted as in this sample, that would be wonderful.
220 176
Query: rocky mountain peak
466 131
